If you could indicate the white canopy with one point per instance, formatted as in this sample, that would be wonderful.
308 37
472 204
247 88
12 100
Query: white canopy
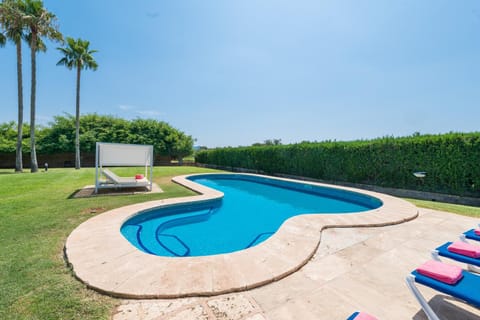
117 154
122 155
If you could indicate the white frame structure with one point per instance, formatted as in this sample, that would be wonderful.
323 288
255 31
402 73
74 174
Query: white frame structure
122 155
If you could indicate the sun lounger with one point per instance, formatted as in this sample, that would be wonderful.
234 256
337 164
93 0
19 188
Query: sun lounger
466 289
120 182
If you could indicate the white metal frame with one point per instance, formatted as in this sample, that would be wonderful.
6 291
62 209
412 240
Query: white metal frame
420 298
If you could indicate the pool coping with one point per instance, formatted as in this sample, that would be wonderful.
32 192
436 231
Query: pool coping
104 260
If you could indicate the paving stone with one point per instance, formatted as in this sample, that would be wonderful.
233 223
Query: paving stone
196 312
151 309
257 316
232 307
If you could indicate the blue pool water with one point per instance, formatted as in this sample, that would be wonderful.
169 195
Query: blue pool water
252 209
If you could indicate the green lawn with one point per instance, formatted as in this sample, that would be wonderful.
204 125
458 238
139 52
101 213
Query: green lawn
36 216
448 207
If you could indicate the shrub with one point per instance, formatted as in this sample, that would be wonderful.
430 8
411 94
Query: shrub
452 161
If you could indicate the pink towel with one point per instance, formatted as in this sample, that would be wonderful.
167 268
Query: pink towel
477 232
364 316
139 176
466 249
441 271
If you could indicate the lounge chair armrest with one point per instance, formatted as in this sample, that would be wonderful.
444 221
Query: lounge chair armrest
435 255
420 298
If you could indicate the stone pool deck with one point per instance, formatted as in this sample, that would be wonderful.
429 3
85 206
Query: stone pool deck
105 261
352 269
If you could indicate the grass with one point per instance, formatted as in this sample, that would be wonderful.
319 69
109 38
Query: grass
448 207
37 214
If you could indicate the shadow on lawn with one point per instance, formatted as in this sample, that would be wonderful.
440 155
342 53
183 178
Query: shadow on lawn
11 172
89 191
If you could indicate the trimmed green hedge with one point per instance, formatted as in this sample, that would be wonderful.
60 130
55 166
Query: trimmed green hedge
452 161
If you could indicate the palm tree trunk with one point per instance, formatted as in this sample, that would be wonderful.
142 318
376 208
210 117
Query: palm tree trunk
18 158
77 122
33 153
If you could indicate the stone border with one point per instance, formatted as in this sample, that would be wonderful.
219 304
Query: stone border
105 261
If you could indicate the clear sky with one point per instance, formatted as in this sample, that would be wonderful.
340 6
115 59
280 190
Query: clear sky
237 72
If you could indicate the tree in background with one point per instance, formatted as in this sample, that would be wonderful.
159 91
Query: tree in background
268 142
181 146
60 134
13 25
40 23
166 140
77 55
7 137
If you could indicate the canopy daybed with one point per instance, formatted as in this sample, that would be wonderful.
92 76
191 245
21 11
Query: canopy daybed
122 155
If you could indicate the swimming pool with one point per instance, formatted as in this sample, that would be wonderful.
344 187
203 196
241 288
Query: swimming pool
253 209
105 260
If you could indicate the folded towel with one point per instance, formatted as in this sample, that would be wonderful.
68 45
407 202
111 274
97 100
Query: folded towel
440 271
364 316
477 232
139 176
466 249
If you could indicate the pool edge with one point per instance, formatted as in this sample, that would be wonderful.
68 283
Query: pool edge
105 261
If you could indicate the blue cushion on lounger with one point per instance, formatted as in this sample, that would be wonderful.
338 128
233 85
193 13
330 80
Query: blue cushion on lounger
353 315
467 289
443 251
470 234
361 316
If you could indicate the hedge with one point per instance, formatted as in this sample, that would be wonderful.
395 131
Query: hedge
452 161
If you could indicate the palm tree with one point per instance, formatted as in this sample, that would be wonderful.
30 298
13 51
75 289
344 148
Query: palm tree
40 23
77 55
11 20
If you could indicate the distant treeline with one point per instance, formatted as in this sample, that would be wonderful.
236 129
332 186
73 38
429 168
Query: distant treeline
451 161
59 135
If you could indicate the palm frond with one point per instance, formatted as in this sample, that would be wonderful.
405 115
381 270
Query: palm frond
12 20
76 53
40 21
40 45
3 40
64 62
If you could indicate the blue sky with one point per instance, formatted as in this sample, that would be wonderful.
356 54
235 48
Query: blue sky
238 72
